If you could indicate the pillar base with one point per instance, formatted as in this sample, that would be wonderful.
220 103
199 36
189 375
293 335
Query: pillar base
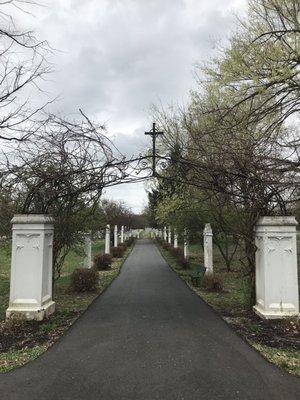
274 314
31 313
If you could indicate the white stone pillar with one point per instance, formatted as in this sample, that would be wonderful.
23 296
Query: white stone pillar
175 239
165 233
88 250
116 236
31 268
107 240
276 267
208 249
185 245
170 236
122 234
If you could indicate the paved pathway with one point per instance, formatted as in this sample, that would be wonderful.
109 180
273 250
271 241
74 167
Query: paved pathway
149 337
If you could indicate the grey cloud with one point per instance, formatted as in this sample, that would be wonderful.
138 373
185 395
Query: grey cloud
116 57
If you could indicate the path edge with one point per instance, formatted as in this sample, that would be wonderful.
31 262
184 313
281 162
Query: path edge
275 366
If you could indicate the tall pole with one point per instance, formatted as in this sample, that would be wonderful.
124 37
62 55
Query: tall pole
154 133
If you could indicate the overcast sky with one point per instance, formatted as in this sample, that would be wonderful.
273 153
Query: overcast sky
114 58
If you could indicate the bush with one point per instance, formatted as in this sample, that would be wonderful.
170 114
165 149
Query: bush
130 241
212 283
175 252
102 261
123 247
117 252
183 262
16 332
84 280
166 246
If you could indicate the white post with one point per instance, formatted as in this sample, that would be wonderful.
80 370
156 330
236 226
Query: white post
165 233
107 240
116 236
175 239
208 249
276 267
185 245
122 234
88 250
31 268
170 236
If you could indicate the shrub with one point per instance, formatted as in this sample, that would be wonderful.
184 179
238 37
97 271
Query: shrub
212 283
166 246
123 247
184 263
84 280
175 252
17 333
117 252
102 261
130 241
179 255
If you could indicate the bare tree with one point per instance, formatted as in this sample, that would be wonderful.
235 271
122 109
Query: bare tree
62 170
23 66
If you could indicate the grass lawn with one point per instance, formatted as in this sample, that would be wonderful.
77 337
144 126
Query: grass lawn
21 342
277 340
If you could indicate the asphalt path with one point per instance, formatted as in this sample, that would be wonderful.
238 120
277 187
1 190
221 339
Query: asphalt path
148 337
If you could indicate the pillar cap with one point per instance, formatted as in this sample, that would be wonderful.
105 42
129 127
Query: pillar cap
207 229
277 221
32 219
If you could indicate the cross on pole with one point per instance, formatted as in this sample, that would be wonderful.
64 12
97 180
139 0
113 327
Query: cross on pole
154 133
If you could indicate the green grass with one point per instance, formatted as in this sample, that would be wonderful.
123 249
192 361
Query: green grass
287 359
234 299
5 251
68 305
16 358
75 258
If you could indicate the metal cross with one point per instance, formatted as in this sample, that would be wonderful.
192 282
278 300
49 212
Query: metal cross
154 133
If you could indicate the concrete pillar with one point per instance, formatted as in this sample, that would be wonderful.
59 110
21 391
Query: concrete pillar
31 268
170 236
107 240
175 239
185 245
208 249
88 250
116 236
165 233
122 234
277 293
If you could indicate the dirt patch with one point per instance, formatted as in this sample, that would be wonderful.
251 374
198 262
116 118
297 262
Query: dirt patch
274 333
17 334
